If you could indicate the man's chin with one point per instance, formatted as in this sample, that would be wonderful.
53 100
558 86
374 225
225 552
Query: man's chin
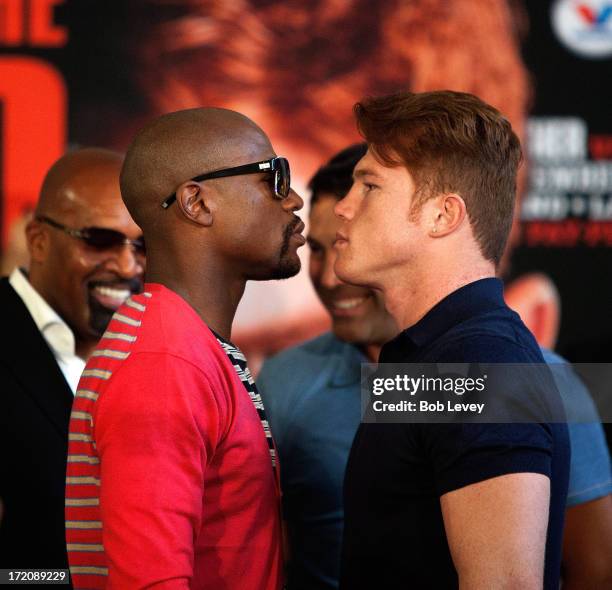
284 270
348 330
99 317
349 275
100 322
287 268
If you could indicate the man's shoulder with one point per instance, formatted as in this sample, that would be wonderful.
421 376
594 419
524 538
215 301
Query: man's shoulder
498 336
154 337
163 323
576 398
295 369
552 357
304 358
9 298
313 349
120 367
16 318
590 476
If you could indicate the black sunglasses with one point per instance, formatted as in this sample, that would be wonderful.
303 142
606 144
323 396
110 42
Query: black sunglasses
99 238
279 166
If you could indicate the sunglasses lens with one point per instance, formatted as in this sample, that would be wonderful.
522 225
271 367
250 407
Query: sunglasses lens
102 239
282 178
105 239
139 246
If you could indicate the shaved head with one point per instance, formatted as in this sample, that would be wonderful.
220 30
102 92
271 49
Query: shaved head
178 146
84 281
60 189
236 226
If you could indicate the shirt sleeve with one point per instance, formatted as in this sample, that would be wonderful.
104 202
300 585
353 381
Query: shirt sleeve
156 427
590 473
465 454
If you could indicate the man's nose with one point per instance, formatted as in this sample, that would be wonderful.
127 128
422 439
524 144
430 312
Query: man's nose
293 201
127 262
344 208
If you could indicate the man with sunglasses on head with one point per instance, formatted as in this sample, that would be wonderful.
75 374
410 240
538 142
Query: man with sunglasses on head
86 258
172 476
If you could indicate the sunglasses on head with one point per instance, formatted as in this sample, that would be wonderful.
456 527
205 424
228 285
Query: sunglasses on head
99 238
277 167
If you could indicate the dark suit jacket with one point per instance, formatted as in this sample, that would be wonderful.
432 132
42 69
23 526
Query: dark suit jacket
35 402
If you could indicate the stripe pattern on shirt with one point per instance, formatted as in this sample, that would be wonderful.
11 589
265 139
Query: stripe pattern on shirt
239 362
88 566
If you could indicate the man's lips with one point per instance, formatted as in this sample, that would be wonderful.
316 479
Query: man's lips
340 240
347 306
111 295
297 232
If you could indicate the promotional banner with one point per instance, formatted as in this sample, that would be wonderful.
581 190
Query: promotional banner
92 73
567 209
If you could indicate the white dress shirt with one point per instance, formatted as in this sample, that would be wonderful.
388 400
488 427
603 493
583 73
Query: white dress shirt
55 331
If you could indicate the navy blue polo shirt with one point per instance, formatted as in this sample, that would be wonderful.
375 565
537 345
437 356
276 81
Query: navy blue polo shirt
394 533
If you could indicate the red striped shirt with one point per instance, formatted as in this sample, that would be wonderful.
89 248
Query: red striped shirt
169 478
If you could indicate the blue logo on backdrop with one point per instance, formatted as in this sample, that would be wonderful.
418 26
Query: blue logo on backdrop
584 27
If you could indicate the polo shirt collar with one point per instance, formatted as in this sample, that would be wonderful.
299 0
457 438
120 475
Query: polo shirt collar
466 302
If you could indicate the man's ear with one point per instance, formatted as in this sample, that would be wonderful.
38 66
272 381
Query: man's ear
195 203
38 241
446 212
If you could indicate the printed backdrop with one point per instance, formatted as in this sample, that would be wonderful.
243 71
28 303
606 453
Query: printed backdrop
91 72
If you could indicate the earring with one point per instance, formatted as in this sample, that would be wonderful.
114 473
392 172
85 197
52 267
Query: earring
434 230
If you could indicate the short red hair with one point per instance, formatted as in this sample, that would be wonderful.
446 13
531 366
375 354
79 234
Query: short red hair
450 142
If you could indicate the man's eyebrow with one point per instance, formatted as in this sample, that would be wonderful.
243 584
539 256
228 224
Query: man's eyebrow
361 172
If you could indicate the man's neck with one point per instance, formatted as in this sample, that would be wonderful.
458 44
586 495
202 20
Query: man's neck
372 351
213 293
409 298
83 349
